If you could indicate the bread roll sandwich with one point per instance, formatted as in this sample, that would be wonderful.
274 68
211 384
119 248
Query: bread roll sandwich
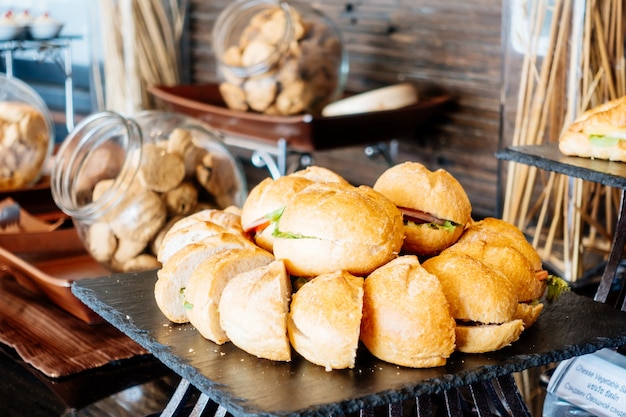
263 205
265 201
327 227
325 319
598 133
253 311
503 247
482 301
434 206
169 290
208 280
406 316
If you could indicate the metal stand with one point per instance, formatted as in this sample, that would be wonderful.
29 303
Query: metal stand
58 50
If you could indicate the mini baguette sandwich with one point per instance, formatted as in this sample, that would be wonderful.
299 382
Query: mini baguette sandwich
434 206
482 301
169 290
253 311
208 280
265 201
262 207
598 133
328 227
503 247
325 318
406 316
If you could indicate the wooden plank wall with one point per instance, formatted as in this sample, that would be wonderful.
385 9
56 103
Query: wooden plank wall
453 44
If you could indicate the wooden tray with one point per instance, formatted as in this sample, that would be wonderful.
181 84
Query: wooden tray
302 132
245 385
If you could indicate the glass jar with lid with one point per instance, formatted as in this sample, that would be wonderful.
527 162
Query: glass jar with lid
278 58
26 134
125 180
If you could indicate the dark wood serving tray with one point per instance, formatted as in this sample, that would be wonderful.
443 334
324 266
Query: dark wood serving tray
302 132
245 385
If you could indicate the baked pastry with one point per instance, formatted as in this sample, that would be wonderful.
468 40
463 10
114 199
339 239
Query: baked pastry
599 133
253 311
482 301
406 316
325 318
329 226
206 283
434 206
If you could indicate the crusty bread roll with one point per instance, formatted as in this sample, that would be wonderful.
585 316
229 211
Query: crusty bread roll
509 261
406 317
177 238
320 174
253 311
493 230
228 219
434 205
169 290
599 133
207 281
478 296
263 201
325 319
329 226
489 337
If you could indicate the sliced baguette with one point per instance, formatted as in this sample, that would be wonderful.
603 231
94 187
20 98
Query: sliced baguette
206 283
325 319
253 311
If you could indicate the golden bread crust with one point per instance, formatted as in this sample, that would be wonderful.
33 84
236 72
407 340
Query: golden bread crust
605 118
253 311
325 318
207 281
412 185
474 291
487 338
329 226
406 317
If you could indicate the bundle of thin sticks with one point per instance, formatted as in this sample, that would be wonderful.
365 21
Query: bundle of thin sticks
583 67
140 41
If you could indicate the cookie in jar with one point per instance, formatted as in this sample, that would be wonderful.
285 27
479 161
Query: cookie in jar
124 181
278 58
26 134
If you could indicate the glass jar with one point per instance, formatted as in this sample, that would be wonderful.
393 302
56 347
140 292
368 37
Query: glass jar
124 181
278 58
26 134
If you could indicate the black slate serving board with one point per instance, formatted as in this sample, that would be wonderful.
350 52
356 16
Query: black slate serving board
549 158
245 385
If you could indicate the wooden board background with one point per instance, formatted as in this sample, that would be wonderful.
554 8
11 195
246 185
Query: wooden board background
454 44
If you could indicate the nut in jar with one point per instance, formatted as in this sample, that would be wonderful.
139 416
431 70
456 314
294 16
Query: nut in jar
278 58
125 181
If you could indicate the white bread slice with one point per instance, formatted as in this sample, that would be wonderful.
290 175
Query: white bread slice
206 283
325 319
406 317
173 276
253 311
